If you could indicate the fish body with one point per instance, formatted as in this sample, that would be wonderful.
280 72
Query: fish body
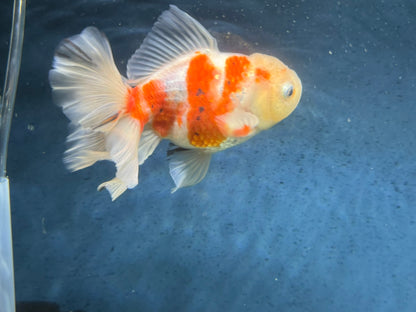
179 87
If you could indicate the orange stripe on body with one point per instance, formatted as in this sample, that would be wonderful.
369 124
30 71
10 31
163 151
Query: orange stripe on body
236 68
201 83
164 112
205 104
134 107
180 113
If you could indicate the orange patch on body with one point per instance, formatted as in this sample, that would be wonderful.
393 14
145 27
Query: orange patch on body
205 104
236 68
200 79
235 72
262 74
154 94
133 107
163 121
179 114
163 111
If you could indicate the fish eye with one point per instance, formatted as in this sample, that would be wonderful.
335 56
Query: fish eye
287 90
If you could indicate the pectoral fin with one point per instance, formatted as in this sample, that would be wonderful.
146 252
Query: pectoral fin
237 123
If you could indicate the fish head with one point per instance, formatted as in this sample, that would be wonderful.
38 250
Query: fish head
275 91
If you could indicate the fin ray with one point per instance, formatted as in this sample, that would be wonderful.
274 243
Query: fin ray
122 142
174 34
92 94
148 143
237 123
86 148
115 187
188 167
85 80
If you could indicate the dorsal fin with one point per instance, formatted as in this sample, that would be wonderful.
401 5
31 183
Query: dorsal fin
174 34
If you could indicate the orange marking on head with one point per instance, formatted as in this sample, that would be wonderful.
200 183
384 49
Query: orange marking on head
262 74
134 107
201 83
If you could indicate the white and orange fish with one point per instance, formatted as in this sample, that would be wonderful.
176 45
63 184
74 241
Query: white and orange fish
179 86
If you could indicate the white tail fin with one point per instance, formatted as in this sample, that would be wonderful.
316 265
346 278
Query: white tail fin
85 80
93 95
123 143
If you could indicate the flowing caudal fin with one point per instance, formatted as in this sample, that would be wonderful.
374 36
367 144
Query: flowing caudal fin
93 95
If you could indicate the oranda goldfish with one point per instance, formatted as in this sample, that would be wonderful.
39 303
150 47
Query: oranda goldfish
179 87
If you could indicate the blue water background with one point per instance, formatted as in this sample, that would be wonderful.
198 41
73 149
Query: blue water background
316 214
